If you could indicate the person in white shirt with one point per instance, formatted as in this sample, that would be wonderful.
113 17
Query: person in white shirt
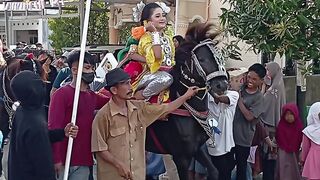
222 108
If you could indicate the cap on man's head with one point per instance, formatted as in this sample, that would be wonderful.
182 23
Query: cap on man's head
74 56
116 76
65 54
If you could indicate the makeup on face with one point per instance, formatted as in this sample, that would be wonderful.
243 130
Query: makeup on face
158 18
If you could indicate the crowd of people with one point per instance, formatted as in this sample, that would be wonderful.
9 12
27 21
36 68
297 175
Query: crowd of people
257 130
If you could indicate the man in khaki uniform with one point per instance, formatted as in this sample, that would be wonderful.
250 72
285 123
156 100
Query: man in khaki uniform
119 129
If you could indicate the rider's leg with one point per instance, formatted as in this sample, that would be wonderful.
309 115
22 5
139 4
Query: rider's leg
154 83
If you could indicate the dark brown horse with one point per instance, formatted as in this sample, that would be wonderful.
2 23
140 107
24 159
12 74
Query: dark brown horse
198 63
14 66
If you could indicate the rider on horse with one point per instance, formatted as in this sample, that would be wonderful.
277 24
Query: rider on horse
154 53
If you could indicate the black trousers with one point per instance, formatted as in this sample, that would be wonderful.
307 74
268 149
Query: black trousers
268 169
225 164
241 154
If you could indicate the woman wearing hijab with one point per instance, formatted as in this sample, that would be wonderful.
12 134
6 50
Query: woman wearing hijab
274 99
30 155
289 137
311 144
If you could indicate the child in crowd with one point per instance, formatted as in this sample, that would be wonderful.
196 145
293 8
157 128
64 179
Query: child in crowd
289 137
249 108
311 144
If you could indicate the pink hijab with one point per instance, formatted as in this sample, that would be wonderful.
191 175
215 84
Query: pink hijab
289 135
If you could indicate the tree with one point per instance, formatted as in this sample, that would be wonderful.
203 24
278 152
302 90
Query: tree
66 31
290 27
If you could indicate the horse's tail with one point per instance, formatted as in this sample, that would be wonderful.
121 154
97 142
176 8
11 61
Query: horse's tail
200 32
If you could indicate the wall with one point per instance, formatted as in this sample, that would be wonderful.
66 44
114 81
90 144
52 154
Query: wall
23 25
313 90
291 89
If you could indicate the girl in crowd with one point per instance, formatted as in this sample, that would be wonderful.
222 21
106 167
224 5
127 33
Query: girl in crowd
289 137
311 144
158 51
155 51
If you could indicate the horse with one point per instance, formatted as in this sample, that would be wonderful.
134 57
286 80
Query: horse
198 63
14 65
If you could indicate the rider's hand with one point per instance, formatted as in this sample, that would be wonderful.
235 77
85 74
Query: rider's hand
71 130
150 27
124 171
191 92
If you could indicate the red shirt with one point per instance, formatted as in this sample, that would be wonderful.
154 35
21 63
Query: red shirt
60 112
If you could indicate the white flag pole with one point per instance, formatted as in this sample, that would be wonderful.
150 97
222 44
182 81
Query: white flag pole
176 18
77 91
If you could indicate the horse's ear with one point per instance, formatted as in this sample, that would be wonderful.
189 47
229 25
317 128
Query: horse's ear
201 31
21 62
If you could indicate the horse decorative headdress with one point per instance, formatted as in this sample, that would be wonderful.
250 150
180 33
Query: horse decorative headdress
218 57
137 11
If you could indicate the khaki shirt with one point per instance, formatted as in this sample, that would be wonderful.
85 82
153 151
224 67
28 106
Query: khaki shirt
123 136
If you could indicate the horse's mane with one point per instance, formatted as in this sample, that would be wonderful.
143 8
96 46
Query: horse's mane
195 34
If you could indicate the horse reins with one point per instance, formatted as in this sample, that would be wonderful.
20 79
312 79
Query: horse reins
7 101
201 118
186 77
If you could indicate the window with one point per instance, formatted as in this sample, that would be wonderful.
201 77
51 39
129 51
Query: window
33 39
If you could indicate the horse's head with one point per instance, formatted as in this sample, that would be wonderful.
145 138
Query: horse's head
208 62
21 63
205 60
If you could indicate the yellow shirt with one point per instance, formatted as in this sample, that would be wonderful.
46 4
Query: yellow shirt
145 50
123 136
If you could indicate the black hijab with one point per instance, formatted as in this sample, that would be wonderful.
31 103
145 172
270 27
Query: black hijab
29 89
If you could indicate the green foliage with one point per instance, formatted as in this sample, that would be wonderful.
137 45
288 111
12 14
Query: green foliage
287 27
125 31
66 31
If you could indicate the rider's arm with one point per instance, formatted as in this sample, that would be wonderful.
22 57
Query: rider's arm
157 50
137 57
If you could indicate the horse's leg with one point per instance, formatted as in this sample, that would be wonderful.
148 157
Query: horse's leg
182 163
204 158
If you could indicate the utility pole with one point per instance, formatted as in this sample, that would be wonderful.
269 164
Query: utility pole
7 30
81 15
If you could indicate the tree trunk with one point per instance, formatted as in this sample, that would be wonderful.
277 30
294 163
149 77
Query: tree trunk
267 57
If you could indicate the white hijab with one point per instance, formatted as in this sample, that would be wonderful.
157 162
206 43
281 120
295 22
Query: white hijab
312 131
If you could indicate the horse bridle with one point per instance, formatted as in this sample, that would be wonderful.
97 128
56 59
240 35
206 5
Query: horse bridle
7 101
195 64
218 57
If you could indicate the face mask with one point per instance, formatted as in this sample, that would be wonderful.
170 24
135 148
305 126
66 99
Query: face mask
88 77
